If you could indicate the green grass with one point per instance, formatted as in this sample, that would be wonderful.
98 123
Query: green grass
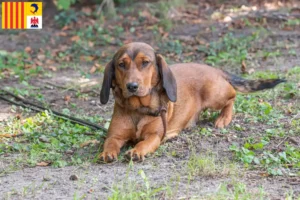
208 165
236 191
129 189
230 50
267 113
17 64
48 139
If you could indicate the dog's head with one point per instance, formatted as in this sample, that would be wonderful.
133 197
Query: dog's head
136 69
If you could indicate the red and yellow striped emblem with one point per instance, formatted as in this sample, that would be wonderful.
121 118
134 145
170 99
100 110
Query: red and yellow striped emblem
15 14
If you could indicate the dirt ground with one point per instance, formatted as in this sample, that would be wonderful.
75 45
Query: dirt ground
168 167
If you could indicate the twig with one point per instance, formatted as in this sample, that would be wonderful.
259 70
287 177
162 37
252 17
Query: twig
71 89
60 87
281 142
39 108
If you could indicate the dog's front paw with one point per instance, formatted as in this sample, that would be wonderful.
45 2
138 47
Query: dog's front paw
135 155
222 121
108 157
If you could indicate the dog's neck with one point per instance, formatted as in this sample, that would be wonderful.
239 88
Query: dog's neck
152 104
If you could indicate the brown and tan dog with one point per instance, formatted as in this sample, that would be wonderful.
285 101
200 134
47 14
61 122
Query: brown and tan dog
144 86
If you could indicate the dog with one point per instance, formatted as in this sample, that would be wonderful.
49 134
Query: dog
154 101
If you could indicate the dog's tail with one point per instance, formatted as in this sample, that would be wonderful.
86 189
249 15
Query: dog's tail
246 86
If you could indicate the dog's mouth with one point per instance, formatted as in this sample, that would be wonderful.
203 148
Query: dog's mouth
141 92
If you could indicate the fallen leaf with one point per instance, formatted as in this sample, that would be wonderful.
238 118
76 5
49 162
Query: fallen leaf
86 143
65 28
67 98
75 38
39 63
86 10
49 61
42 50
264 174
86 58
243 68
287 28
91 44
62 34
227 19
52 68
28 49
41 57
93 69
42 164
18 116
251 71
27 66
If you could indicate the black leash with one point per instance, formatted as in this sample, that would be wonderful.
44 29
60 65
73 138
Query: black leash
27 104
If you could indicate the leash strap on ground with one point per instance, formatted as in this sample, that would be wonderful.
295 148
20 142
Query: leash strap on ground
27 104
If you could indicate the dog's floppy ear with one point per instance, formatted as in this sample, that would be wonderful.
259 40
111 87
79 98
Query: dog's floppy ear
168 79
107 82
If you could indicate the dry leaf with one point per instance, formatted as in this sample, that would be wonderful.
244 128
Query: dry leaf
86 143
86 10
93 69
62 34
49 61
67 98
287 28
251 71
27 66
42 164
52 68
65 28
41 57
28 49
67 58
243 68
91 44
18 116
75 38
264 174
86 58
39 63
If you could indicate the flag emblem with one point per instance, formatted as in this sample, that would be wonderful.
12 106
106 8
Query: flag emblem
22 15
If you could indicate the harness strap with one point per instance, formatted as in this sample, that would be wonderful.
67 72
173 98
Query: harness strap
163 112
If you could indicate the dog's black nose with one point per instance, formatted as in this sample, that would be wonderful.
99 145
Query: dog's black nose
132 87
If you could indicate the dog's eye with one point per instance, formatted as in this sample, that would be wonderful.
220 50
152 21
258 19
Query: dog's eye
145 63
122 65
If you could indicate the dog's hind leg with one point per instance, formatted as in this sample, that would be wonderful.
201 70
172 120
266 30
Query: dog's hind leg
220 96
225 116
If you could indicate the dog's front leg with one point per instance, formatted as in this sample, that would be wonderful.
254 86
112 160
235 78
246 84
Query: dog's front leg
119 132
151 134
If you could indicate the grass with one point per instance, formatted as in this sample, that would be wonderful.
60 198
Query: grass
267 110
17 64
128 189
208 165
236 191
229 50
49 140
267 119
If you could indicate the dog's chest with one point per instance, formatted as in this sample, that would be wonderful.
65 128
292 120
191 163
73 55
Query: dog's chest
147 105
